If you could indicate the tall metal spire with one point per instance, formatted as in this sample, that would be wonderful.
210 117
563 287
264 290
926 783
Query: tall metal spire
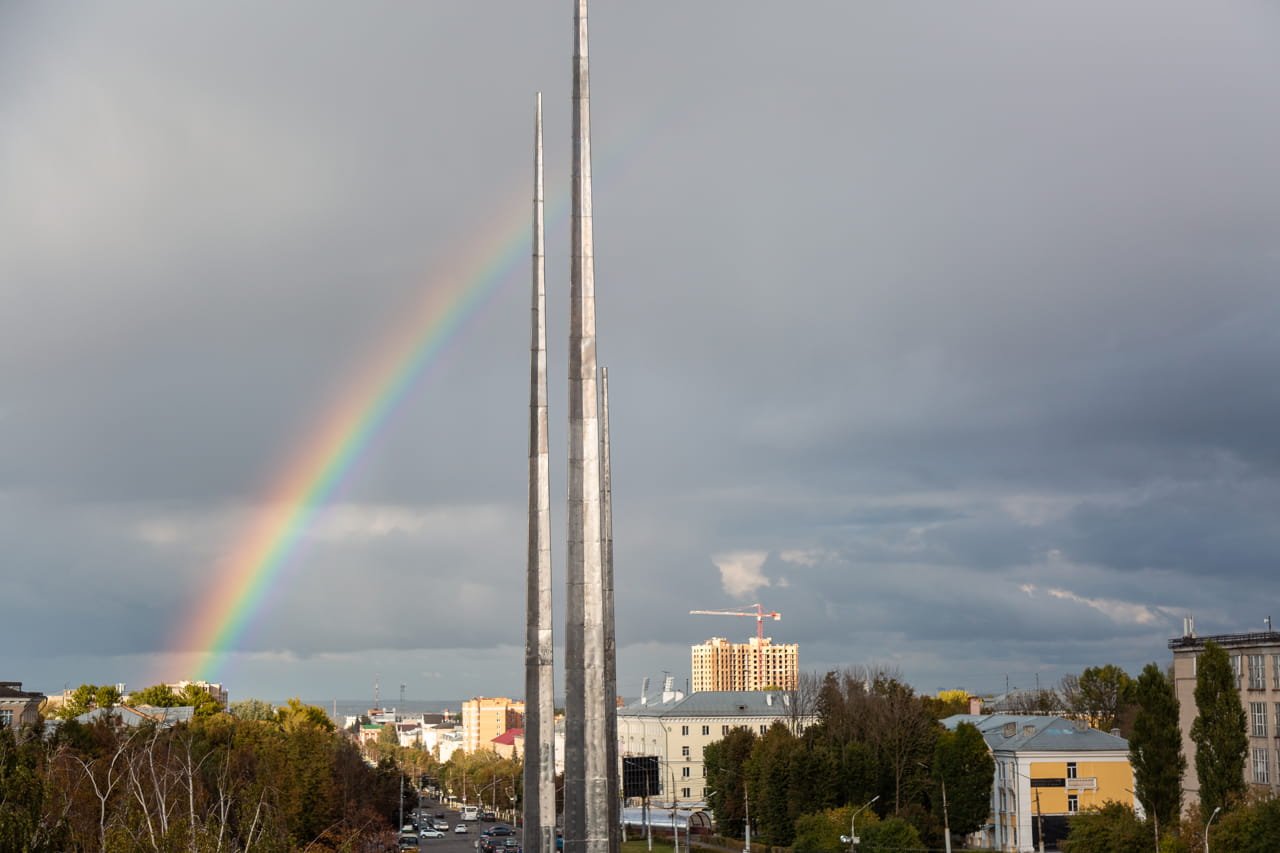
610 642
587 809
539 685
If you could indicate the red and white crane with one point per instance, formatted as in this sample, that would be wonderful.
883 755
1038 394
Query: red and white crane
760 613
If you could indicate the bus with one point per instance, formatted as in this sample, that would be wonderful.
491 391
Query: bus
470 812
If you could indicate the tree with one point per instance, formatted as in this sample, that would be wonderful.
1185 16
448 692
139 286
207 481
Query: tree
294 715
1113 828
1219 732
1099 694
726 763
891 835
157 696
963 763
820 832
1155 748
253 709
80 701
200 699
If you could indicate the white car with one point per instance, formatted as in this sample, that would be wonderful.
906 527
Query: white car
462 827
428 832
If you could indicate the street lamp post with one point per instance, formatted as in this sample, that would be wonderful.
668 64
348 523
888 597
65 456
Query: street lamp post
946 820
1208 824
853 821
746 805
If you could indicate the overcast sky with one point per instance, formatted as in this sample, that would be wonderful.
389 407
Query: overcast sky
947 330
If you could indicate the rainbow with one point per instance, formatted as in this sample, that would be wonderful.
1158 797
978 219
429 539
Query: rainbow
245 577
256 566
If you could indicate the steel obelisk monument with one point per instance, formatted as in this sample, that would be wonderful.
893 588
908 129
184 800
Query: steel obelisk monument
587 771
539 808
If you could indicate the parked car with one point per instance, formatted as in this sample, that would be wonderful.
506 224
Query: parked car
462 827
428 832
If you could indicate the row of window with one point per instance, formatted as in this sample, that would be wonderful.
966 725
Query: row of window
724 730
1256 668
1258 718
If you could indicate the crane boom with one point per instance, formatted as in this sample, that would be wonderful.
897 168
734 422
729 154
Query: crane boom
760 613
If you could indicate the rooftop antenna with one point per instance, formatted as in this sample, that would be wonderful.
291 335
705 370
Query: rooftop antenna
402 687
377 693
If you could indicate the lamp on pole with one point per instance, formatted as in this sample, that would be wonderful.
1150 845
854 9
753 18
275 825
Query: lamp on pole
946 819
1208 824
746 807
853 821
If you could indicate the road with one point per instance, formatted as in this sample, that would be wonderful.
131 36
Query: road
455 842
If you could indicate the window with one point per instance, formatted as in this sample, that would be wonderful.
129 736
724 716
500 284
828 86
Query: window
684 730
6 718
1275 671
724 730
684 792
684 750
1237 666
686 771
706 730
1257 672
1073 803
1277 718
1260 767
704 771
1258 716
763 728
1071 770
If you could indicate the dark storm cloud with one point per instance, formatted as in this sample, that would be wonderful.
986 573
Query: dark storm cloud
944 332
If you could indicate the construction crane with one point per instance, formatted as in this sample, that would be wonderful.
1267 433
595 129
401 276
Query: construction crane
759 612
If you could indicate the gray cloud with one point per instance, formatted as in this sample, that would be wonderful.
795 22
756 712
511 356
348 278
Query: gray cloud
929 308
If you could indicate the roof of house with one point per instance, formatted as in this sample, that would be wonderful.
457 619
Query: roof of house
1038 733
717 703
508 738
13 690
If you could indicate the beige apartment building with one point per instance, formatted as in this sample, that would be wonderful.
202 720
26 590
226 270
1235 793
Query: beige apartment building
1255 659
755 665
483 719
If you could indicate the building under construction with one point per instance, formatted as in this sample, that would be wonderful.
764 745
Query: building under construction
754 665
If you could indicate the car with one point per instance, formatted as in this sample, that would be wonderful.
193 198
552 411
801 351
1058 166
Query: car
408 842
442 825
488 816
501 830
511 845
462 827
428 832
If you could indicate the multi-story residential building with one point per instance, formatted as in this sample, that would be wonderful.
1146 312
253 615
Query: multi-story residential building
217 691
1255 659
678 728
1047 769
483 719
755 665
17 706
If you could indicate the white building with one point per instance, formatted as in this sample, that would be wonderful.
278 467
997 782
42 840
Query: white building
677 728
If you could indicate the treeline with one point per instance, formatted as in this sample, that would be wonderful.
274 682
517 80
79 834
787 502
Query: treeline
216 783
878 758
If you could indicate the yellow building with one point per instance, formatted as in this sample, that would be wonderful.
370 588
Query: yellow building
1047 769
484 719
754 665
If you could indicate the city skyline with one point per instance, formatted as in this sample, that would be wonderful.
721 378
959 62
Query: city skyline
946 336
